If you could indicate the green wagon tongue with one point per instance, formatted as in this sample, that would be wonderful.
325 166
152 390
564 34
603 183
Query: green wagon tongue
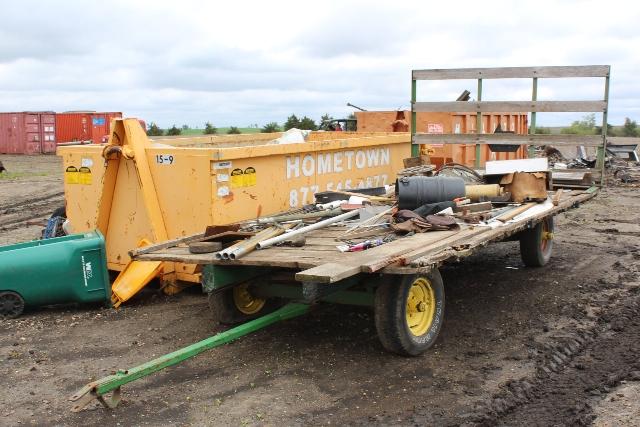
98 389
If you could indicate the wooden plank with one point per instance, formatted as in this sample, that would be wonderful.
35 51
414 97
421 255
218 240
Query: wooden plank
622 140
278 257
167 244
419 252
499 233
329 232
322 248
225 236
510 106
383 259
473 207
322 241
330 272
512 72
509 139
372 259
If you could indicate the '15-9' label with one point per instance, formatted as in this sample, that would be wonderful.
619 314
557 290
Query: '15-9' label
164 159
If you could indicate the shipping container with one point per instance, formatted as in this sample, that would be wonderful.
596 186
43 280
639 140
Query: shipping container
434 123
84 126
29 132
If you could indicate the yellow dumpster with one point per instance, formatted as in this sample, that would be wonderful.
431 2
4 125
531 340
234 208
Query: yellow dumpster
134 189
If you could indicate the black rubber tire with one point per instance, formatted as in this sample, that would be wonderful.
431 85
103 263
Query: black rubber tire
61 211
531 244
11 304
224 310
390 314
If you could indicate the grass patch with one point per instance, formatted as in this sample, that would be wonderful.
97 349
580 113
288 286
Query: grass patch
8 176
221 131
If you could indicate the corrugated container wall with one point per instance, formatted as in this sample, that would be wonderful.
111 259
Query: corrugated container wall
30 132
84 126
446 122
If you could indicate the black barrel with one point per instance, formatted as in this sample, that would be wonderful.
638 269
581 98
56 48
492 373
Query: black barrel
415 191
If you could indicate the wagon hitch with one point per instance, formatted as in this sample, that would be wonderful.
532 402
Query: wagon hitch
98 389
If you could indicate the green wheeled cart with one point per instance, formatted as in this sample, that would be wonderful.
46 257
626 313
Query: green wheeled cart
53 271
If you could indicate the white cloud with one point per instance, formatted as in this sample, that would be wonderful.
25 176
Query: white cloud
247 62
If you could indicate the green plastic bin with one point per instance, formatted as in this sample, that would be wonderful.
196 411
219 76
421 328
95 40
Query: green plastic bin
53 271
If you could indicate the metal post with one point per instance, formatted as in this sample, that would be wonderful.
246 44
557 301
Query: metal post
532 128
600 159
97 389
415 149
478 126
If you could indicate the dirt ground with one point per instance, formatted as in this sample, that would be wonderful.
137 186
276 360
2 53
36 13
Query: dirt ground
30 190
557 345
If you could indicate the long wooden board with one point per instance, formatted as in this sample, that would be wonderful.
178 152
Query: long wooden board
371 260
513 72
509 139
510 106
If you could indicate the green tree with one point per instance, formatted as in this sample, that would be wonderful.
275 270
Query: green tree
325 122
586 126
270 128
154 130
307 124
185 127
173 131
210 129
292 122
233 130
541 130
610 130
630 127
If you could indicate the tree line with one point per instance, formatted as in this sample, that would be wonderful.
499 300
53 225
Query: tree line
587 126
326 123
154 130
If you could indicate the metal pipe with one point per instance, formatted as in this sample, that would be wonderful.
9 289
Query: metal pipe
321 224
509 215
251 246
475 192
280 218
224 254
247 242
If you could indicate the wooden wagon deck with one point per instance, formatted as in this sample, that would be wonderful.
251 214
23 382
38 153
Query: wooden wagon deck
319 261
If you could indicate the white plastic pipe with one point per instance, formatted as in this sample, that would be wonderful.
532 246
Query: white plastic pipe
275 240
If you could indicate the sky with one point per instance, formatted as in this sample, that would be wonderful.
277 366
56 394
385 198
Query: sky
243 63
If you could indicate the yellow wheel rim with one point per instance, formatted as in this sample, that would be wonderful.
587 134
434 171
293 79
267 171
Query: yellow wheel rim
421 306
245 302
547 236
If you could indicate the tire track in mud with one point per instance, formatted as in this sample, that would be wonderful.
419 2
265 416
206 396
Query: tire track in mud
574 367
14 215
21 203
583 366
